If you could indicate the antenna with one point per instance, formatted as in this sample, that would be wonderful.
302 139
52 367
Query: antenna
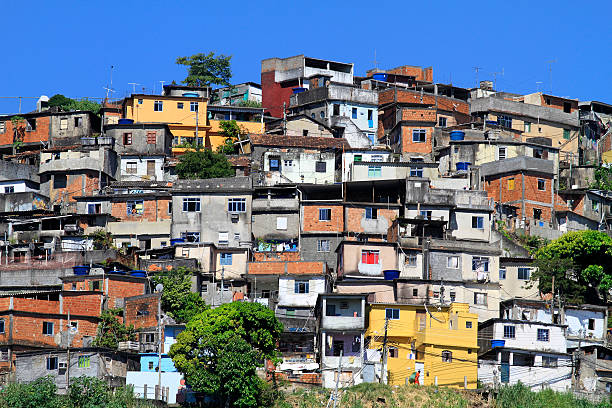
375 61
495 74
538 84
476 69
109 88
133 86
550 62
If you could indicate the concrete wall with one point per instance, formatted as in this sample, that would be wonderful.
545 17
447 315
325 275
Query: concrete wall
288 297
142 163
462 227
309 249
513 287
22 201
18 171
63 129
577 322
140 145
526 336
138 379
351 259
301 170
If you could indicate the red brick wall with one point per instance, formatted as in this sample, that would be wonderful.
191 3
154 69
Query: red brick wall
355 215
153 210
74 187
118 289
415 97
276 256
273 94
311 223
40 134
408 146
531 193
421 74
82 285
83 304
146 304
278 268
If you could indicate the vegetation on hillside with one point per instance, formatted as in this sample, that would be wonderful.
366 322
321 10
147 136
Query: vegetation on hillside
177 298
111 330
69 104
232 132
203 164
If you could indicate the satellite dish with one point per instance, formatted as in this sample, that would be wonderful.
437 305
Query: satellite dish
159 288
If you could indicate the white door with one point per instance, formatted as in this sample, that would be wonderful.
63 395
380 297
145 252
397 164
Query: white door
420 367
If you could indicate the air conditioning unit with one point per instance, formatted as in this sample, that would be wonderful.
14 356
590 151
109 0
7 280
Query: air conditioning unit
129 345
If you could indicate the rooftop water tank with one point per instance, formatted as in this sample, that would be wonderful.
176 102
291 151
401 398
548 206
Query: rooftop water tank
175 241
139 273
498 343
191 95
126 121
463 166
380 77
298 90
391 274
81 270
457 135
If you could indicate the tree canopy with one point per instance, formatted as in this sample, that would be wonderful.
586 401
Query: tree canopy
221 349
207 69
581 262
111 331
232 132
69 104
177 298
203 164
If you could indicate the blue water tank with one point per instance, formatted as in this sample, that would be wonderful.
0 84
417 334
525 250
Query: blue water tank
126 121
81 270
463 166
191 95
457 135
391 274
118 272
498 343
380 77
139 273
299 90
174 241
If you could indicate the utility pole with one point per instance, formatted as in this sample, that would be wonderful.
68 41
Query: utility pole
383 376
338 379
222 282
159 289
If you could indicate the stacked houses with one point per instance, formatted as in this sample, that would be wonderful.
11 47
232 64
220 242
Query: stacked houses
369 213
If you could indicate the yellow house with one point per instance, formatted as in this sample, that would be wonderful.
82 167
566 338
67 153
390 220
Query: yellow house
250 120
186 116
439 342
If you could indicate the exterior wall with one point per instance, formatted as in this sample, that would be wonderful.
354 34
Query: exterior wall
212 218
408 146
238 266
351 259
142 173
513 287
288 297
145 113
286 268
577 321
309 248
154 209
462 227
214 137
274 94
141 311
35 137
303 169
138 379
392 171
140 139
379 291
526 336
356 220
311 222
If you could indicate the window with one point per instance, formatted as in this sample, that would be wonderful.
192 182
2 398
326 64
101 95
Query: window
356 345
502 274
371 213
226 258
393 352
265 293
357 158
288 163
567 107
453 296
170 207
135 207
1 325
524 273
31 125
411 259
83 362
9 189
538 153
131 167
543 335
320 167
527 127
274 163
370 257
140 101
78 122
151 137
127 139
478 222
509 332
193 106
191 236
426 214
236 205
468 325
550 362
566 134
63 123
158 106
191 204
511 183
304 132
60 181
370 114
480 299
537 213
419 135
324 214
501 153
47 329
392 314
2 127
416 172
179 105
376 158
541 184
51 363
337 348
322 114
312 115
505 121
301 286
415 292
480 264
447 356
595 205
223 238
281 223
236 236
591 325
452 262
374 171
442 121
94 208
336 109
323 245
354 113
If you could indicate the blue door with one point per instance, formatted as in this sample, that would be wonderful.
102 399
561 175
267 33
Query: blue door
505 373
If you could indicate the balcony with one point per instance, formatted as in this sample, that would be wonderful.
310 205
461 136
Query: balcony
369 269
343 322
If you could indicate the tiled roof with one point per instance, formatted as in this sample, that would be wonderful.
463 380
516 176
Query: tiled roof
239 161
299 141
228 184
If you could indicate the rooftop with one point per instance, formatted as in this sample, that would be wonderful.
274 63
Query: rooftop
299 141
223 185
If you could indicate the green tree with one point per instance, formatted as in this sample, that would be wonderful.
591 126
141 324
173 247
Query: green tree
203 164
41 393
111 331
91 392
207 69
603 179
177 298
581 262
232 132
221 349
101 239
69 104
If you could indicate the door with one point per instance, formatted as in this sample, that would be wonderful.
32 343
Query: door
420 368
150 167
505 373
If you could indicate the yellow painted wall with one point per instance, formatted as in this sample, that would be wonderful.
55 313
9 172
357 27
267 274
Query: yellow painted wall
215 138
417 330
171 114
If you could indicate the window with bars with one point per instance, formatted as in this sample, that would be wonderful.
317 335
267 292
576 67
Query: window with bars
323 245
151 137
127 139
371 213
191 236
301 287
324 214
236 205
543 334
370 257
191 204
447 356
509 332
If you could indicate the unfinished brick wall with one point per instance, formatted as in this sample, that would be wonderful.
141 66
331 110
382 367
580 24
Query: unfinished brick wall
291 268
141 312
82 184
354 217
408 146
311 222
153 210
532 193
119 289
41 134
275 256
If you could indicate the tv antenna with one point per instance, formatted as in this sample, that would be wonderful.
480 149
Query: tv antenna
538 85
375 61
495 74
133 86
550 62
476 69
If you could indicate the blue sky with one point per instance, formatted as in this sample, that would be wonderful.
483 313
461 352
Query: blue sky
68 47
